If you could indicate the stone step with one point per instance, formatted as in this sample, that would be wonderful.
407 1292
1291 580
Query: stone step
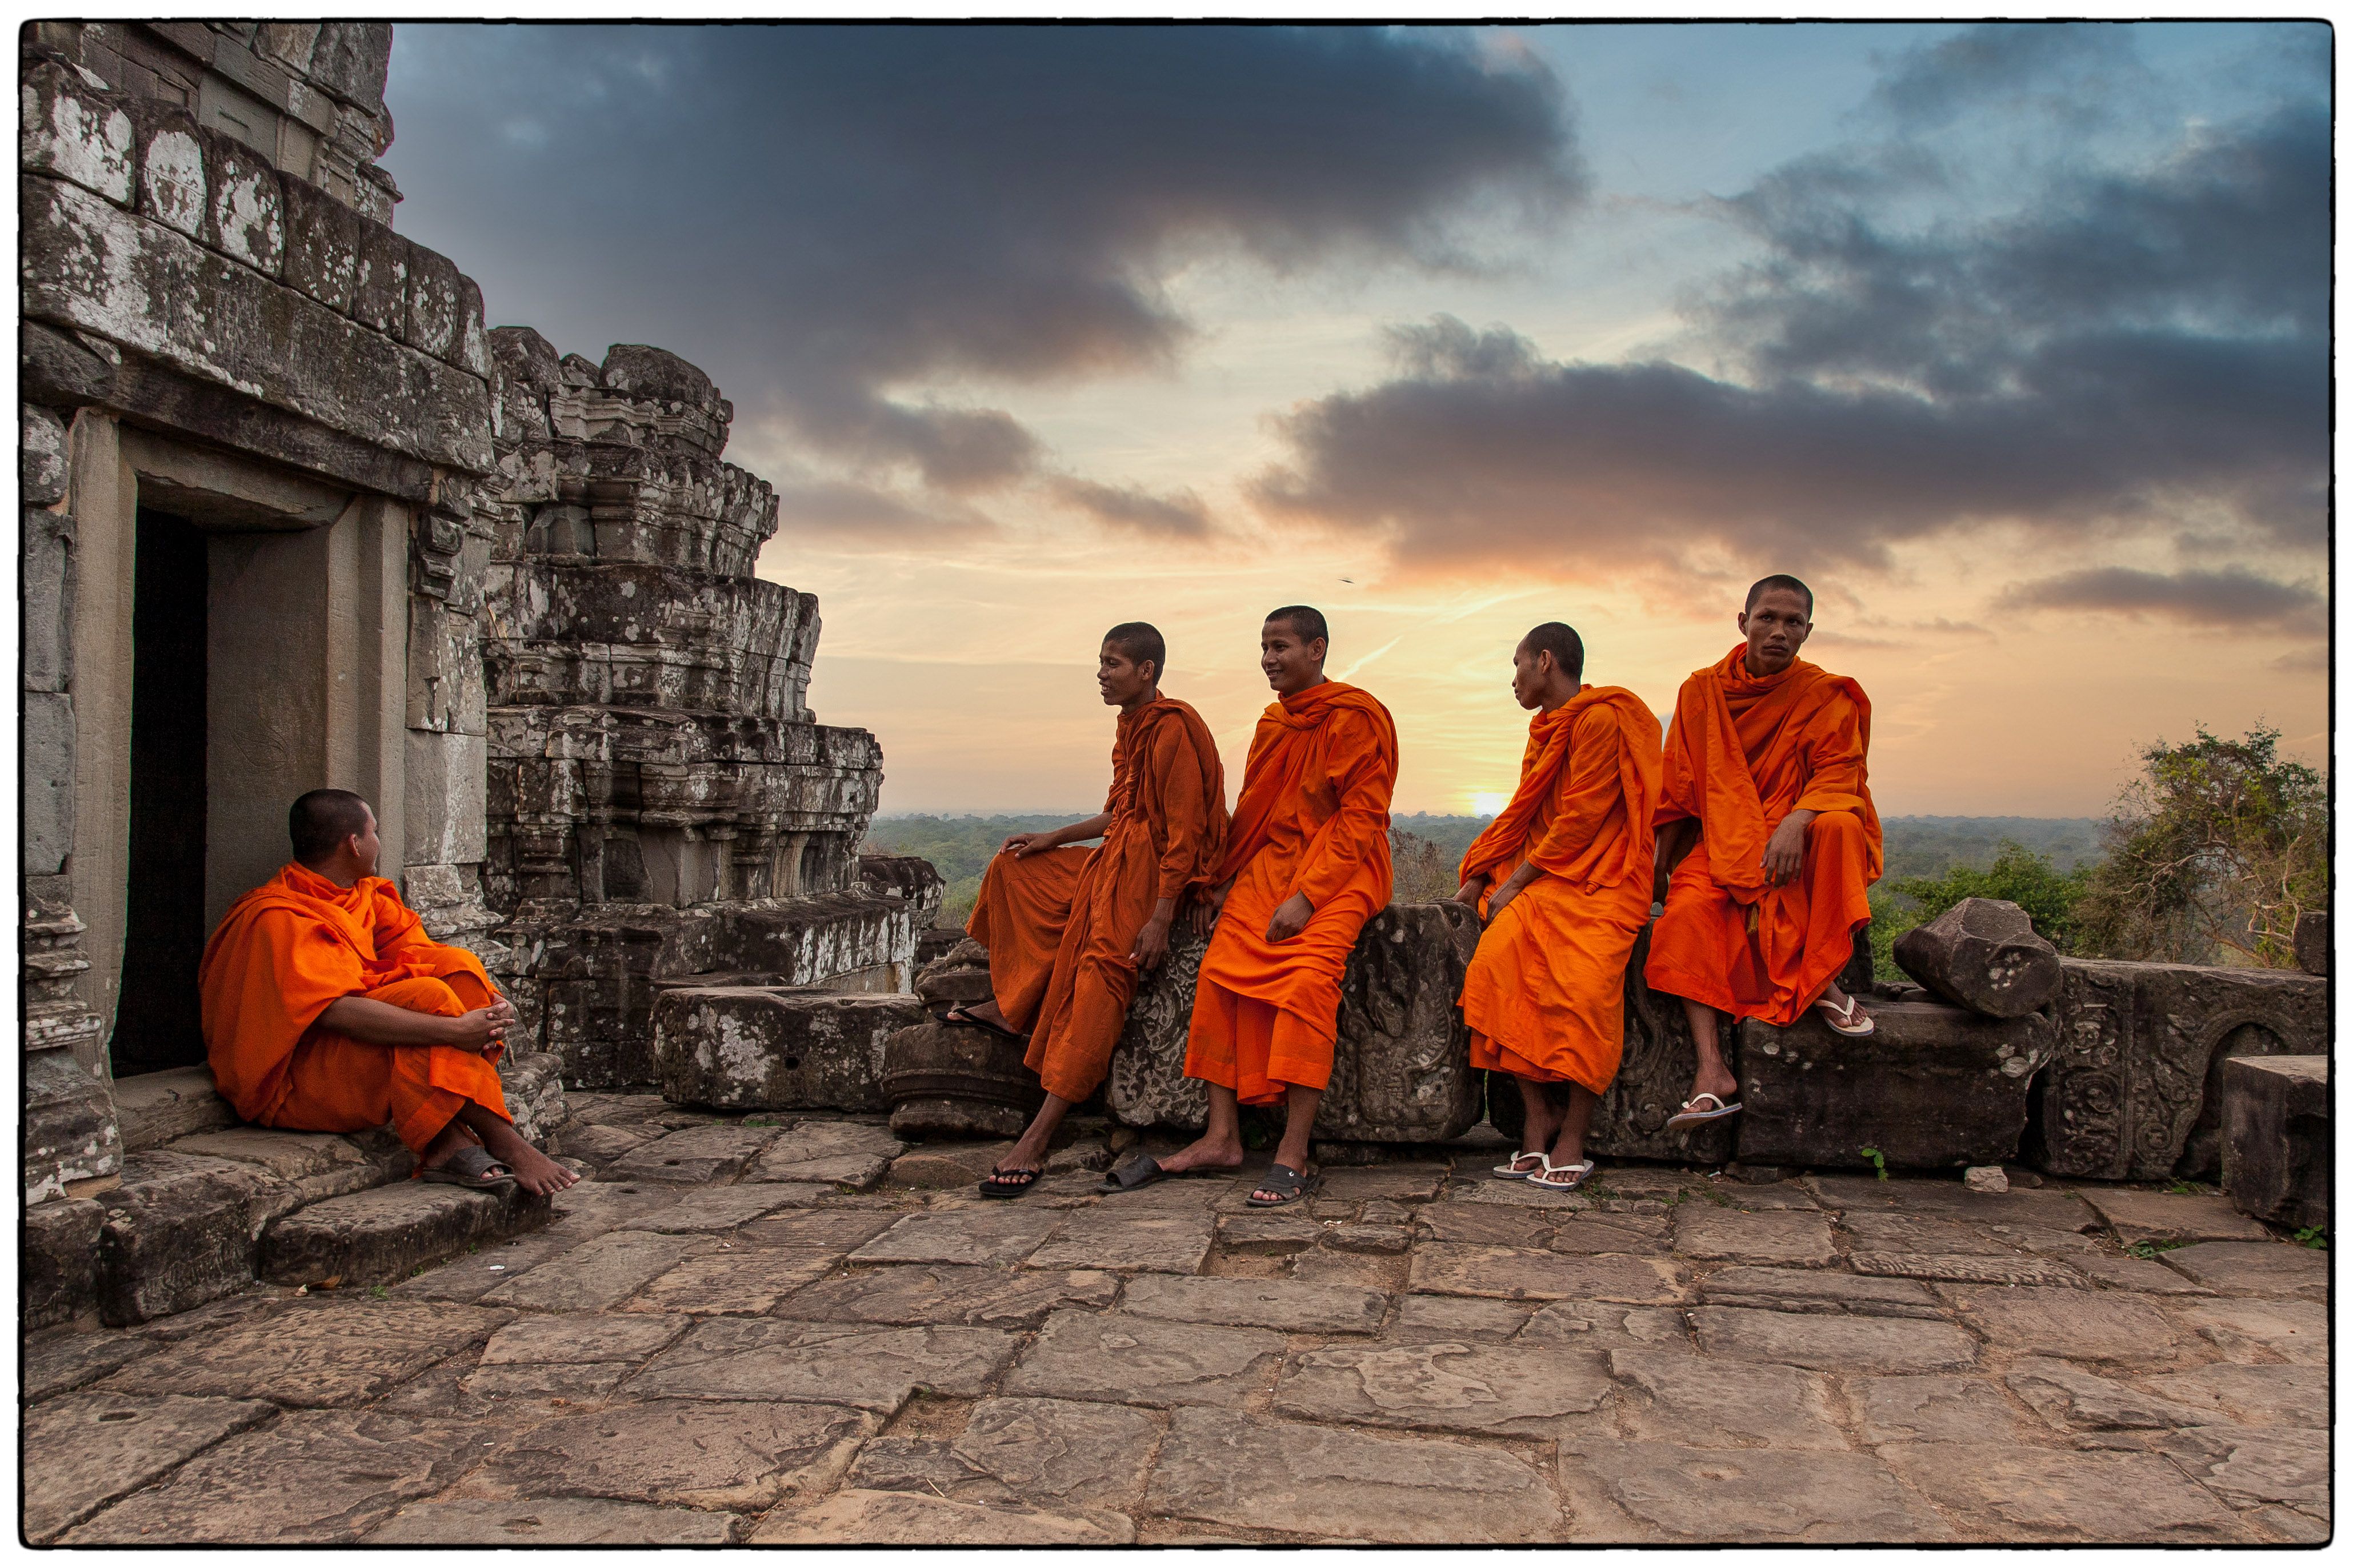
157 1107
384 1234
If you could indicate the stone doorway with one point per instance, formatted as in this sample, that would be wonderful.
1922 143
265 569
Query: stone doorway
156 1021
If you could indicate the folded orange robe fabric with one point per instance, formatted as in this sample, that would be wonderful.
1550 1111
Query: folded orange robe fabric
1743 753
1313 818
296 944
1066 920
1545 995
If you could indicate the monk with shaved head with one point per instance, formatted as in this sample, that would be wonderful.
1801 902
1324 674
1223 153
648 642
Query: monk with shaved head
1768 839
1068 930
1306 865
327 1009
1563 877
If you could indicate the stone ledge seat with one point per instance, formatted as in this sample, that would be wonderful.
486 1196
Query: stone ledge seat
207 1206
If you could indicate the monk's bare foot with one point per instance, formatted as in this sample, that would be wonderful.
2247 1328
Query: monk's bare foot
1719 1083
1028 1153
535 1170
1845 1013
1205 1154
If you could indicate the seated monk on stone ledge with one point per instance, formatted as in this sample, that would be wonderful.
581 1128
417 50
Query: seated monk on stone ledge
1563 877
328 1009
1069 929
1769 842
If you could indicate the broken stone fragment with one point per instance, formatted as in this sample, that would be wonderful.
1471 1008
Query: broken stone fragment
1983 954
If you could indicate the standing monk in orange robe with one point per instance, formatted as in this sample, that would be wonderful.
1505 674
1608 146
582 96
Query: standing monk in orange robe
1069 931
1767 801
1564 875
328 1009
1306 865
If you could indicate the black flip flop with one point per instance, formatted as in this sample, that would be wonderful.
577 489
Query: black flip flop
1003 1184
1140 1172
1281 1179
956 1017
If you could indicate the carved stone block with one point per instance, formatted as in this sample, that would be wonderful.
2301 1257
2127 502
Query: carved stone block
775 1049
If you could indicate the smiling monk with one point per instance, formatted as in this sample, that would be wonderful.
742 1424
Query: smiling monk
1306 865
1770 839
328 1009
1068 930
1564 877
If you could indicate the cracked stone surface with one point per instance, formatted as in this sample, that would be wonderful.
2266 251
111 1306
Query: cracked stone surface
784 1346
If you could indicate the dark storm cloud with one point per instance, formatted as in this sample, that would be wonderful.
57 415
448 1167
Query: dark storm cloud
2235 599
825 216
2043 64
2132 346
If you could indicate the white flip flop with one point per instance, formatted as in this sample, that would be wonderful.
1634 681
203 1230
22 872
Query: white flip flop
1584 1169
1842 1019
1685 1116
1512 1172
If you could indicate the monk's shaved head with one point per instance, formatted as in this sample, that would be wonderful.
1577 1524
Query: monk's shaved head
1561 641
1141 642
319 821
1783 582
1306 624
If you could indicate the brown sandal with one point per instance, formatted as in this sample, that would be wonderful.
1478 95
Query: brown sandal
471 1166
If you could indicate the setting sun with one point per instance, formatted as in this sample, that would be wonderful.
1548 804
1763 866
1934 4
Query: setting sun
1488 802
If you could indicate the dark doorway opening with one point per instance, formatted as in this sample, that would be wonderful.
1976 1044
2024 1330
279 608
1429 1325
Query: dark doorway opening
156 1022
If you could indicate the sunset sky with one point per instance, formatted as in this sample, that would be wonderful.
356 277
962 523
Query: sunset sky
2011 340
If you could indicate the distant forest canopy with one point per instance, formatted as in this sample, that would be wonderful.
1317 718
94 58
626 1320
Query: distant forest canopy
1427 846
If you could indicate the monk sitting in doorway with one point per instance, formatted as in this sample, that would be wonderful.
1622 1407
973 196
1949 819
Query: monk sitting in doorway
1768 840
1564 877
1306 865
1069 931
328 1009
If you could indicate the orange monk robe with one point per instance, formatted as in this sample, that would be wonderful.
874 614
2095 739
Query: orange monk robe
1059 927
1545 993
291 947
1313 818
1743 753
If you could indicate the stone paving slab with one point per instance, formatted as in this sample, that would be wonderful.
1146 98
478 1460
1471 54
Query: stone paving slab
740 1282
2249 1465
60 1364
1053 1454
1144 1361
311 1476
1782 1237
2048 1208
1459 1219
2070 1396
2253 1269
725 1208
474 1275
867 1367
949 1293
1520 1273
693 1155
1675 1397
1839 1344
2256 1330
96 1447
328 1354
601 1272
582 1337
1112 1237
1289 1305
1624 1232
2057 1495
1352 1271
1971 1268
1664 1492
832 1228
2250 1395
1597 1326
2139 1215
1275 1233
2096 1326
2136 1274
554 1521
915 1519
1820 1290
1426 1317
1318 1482
1001 1234
1474 1386
845 1153
700 1453
1932 1408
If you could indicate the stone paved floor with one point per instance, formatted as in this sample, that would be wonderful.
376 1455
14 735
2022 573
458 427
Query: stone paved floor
748 1332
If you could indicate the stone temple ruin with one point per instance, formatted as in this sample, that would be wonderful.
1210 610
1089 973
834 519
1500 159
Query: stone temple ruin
294 516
